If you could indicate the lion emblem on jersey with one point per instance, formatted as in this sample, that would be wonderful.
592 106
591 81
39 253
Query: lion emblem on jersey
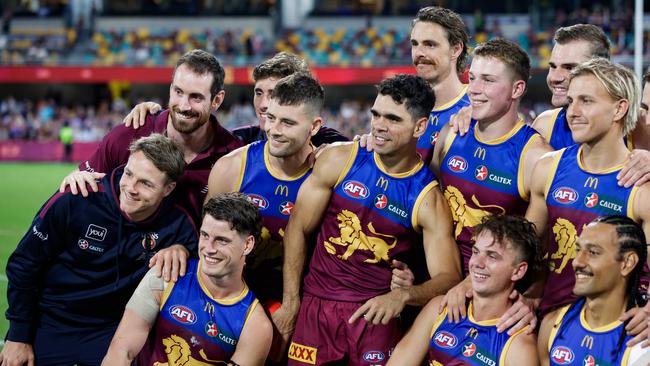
566 236
268 249
353 238
179 354
465 216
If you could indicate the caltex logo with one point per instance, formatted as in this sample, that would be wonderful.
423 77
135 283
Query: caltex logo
381 201
481 172
286 207
211 329
589 361
434 138
469 349
591 200
83 244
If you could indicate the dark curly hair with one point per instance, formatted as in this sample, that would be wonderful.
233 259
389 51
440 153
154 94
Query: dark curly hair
412 90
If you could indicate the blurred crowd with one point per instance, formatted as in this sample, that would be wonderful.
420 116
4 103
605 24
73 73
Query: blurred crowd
41 120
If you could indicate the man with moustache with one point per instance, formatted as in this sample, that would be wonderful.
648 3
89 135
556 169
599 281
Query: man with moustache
78 265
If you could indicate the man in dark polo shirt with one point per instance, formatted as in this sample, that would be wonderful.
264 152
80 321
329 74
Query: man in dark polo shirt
195 93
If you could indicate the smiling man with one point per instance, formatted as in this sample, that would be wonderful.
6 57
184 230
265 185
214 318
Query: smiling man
506 254
576 184
77 266
367 209
209 316
608 264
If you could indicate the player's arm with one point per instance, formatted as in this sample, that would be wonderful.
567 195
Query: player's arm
443 263
44 241
312 200
438 150
225 173
537 212
542 124
413 347
642 209
522 351
255 340
138 319
544 335
537 148
440 249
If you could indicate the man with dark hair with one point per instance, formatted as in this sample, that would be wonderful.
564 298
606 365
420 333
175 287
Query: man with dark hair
195 93
82 258
439 52
506 255
369 208
265 75
210 316
608 264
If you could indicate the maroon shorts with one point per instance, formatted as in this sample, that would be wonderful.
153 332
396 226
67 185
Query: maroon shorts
324 337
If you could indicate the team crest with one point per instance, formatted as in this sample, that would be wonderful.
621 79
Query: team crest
149 240
381 201
83 244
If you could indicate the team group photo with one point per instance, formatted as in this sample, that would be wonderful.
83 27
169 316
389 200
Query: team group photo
294 182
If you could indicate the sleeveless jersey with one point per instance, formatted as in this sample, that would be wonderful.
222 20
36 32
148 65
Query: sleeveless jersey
194 326
438 118
560 133
573 342
275 198
468 342
482 178
370 220
574 197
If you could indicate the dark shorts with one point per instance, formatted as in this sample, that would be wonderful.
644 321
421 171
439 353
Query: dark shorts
70 346
324 337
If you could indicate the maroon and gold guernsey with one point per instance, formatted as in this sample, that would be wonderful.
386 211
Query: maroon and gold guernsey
575 197
370 220
482 178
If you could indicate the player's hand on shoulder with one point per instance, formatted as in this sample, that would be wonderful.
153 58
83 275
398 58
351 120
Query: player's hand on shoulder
17 354
78 181
637 324
636 170
171 262
365 140
460 122
456 301
519 315
138 114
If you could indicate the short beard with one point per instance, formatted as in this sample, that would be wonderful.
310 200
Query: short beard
186 128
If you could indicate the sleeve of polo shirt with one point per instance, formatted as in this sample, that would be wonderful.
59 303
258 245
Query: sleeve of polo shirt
112 151
44 241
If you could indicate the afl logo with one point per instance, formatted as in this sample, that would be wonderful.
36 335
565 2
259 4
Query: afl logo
182 314
381 201
469 349
373 356
565 195
457 164
355 189
83 244
445 339
562 355
258 201
591 200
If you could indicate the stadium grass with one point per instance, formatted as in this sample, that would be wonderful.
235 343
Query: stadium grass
24 187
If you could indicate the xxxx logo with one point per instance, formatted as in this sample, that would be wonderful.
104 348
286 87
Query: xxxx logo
302 353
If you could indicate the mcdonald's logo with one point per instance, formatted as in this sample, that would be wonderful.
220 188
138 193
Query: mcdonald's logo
591 182
434 120
587 342
382 182
209 308
281 189
480 153
472 333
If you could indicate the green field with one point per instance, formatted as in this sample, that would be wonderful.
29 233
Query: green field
24 187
